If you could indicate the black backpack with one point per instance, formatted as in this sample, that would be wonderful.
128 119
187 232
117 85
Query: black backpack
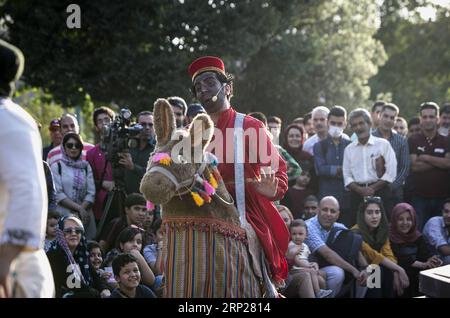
345 243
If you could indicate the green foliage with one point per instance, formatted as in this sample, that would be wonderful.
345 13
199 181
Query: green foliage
326 62
418 68
287 56
43 108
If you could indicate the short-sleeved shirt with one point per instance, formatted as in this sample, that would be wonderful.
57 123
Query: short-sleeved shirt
436 232
431 183
317 235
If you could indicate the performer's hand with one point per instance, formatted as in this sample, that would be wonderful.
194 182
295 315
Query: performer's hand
267 184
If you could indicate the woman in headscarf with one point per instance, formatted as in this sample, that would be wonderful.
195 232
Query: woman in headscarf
409 246
74 183
293 144
69 260
372 225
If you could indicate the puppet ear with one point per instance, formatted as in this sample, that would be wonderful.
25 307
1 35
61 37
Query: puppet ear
201 131
164 121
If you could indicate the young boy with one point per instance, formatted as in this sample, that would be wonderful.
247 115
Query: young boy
127 274
50 233
298 253
296 194
310 207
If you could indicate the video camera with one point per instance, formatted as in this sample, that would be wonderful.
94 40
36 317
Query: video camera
119 137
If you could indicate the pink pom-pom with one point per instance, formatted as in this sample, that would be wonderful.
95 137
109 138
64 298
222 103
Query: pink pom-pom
150 206
162 158
209 189
157 157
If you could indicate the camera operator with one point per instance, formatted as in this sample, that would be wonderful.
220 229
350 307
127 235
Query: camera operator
135 162
101 168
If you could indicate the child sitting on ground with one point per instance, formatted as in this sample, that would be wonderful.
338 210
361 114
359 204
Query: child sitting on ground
127 274
298 253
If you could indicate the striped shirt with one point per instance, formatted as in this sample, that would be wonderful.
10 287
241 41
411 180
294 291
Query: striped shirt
401 149
55 154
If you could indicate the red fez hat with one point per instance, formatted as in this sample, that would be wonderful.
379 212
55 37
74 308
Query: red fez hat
205 64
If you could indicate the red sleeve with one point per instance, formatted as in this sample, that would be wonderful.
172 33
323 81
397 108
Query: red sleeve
267 155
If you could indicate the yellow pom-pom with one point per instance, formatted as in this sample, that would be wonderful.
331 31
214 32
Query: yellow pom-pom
213 181
165 161
197 199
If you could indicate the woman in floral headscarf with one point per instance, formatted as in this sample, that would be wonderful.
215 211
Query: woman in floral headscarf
74 183
409 246
69 260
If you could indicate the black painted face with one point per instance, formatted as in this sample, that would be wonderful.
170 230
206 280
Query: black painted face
206 86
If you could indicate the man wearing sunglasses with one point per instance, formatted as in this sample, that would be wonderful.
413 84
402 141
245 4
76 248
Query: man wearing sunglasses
24 267
68 122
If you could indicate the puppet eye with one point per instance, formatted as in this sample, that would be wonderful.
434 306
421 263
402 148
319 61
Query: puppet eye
181 159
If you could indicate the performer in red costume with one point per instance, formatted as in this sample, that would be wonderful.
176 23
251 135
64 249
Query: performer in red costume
265 180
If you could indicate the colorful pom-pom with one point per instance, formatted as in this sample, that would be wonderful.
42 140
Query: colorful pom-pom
209 189
162 158
213 181
205 196
197 199
150 206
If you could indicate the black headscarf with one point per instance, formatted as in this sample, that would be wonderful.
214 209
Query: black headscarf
81 255
380 235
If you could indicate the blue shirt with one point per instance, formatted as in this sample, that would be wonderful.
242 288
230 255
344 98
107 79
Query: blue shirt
401 149
327 158
317 235
436 232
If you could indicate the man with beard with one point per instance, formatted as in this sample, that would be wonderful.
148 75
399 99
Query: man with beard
369 163
444 120
430 164
437 232
253 185
388 117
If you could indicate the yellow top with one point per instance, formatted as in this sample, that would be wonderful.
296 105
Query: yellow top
373 256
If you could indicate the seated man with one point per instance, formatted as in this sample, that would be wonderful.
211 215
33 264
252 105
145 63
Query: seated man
319 228
437 232
134 214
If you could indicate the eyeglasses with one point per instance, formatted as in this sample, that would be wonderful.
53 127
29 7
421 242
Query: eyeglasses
373 200
70 230
71 145
146 124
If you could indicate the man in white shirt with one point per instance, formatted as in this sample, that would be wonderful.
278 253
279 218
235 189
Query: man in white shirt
24 267
369 164
320 122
